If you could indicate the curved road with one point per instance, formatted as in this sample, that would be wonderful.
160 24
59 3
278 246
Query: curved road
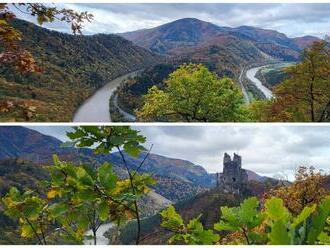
126 115
96 107
245 94
251 75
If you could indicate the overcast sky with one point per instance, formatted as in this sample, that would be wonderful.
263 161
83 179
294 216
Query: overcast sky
267 150
291 19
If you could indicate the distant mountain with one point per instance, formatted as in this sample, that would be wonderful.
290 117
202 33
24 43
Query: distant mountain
16 142
28 144
305 41
252 176
177 179
183 32
174 37
73 66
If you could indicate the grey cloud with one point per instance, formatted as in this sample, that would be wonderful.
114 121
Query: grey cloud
291 19
268 150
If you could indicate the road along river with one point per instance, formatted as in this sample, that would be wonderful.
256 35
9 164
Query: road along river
96 107
251 75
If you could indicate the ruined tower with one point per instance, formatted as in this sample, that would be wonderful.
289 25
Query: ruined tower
233 178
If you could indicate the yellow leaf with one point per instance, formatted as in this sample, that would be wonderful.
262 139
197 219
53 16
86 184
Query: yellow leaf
51 194
27 231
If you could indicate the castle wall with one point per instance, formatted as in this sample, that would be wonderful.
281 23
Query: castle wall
233 177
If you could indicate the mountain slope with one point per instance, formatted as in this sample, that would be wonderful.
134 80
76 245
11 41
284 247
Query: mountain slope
28 144
182 32
72 68
186 33
173 175
305 41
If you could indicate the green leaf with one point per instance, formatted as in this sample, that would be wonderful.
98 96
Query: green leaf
258 238
324 238
104 210
58 209
171 219
56 160
223 226
83 176
14 194
305 213
194 224
27 231
86 195
279 234
248 211
230 214
319 220
132 149
106 176
275 210
32 208
207 237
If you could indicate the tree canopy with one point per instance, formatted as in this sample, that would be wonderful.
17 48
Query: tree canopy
305 95
13 53
194 94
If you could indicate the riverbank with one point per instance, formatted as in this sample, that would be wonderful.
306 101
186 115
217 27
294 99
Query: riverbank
251 75
100 238
96 107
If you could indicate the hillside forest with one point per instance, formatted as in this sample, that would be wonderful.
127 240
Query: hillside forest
189 70
65 200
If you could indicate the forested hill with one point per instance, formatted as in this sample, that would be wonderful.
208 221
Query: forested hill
72 68
29 145
179 36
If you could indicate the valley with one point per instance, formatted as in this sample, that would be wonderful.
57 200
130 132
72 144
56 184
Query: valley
82 73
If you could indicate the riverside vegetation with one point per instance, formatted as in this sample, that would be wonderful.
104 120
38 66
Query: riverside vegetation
192 93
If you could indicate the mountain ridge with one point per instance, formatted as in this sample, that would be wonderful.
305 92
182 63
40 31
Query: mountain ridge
164 38
22 142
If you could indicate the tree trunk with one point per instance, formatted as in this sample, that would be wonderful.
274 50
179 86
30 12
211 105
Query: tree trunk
312 101
138 223
94 235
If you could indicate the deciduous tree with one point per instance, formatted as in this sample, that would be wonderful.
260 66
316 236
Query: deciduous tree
12 53
194 94
305 95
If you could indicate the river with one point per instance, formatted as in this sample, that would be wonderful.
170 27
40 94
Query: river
96 107
100 239
251 75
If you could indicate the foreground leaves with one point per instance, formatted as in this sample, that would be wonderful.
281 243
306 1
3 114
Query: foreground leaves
193 233
273 224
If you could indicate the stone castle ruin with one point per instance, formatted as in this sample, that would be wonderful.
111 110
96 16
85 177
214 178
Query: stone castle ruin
233 178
